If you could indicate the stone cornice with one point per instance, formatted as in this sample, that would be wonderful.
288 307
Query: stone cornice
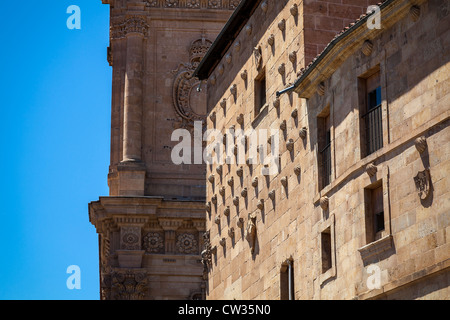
187 4
143 210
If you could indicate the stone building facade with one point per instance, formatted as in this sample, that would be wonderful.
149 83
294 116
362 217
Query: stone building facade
358 207
151 225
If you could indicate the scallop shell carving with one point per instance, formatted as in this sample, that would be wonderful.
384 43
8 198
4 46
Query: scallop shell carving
271 40
367 47
371 169
321 88
421 144
415 13
324 201
303 132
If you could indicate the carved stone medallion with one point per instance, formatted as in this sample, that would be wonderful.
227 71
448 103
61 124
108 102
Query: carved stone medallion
422 180
153 242
187 244
130 238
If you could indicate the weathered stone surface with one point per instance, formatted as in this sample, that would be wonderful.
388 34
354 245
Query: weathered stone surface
332 243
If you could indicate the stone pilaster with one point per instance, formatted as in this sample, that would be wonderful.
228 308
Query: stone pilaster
131 170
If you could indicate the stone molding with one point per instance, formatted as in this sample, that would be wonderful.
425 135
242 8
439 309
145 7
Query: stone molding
193 4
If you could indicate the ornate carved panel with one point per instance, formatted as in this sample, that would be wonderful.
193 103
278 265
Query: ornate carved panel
153 242
187 244
130 238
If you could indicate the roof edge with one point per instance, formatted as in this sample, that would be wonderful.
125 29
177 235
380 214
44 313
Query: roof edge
227 35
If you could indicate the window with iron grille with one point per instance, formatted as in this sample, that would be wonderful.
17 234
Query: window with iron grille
371 125
373 122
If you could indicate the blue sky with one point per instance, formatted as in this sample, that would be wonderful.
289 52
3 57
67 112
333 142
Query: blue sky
54 141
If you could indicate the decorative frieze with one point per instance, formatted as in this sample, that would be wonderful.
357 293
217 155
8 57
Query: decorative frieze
131 24
193 4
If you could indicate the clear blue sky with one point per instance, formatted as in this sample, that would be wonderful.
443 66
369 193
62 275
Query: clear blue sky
54 141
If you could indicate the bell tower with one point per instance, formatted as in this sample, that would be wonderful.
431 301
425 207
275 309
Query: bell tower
151 224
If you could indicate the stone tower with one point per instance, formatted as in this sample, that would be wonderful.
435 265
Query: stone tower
151 225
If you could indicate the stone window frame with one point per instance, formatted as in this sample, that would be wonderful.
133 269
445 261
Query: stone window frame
331 272
326 111
263 109
284 279
376 247
372 66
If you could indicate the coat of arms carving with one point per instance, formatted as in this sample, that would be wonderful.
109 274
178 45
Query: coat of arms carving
189 93
423 183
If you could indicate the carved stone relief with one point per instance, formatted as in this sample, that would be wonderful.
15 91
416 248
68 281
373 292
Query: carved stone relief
189 94
130 238
129 285
153 242
187 244
257 53
250 232
423 183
